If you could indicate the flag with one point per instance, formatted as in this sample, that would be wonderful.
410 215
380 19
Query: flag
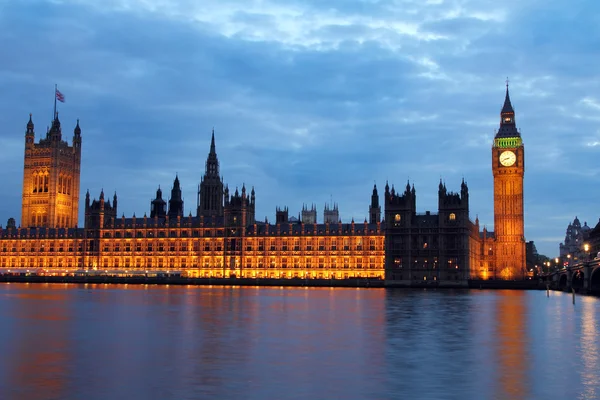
59 96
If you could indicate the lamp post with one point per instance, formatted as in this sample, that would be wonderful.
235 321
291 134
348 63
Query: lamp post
586 248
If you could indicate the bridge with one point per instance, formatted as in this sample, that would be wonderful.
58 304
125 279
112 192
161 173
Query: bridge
582 277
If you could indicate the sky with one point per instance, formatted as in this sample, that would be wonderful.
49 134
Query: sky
311 101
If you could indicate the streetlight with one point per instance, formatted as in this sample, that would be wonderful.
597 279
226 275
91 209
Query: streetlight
586 247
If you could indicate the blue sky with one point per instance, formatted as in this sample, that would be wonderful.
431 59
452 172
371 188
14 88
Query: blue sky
311 101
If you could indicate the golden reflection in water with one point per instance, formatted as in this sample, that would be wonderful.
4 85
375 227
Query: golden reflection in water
589 349
40 358
511 345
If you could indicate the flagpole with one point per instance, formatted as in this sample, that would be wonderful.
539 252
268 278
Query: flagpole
55 89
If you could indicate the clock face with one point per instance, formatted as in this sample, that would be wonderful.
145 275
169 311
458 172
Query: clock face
507 158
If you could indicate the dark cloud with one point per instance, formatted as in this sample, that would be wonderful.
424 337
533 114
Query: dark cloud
311 101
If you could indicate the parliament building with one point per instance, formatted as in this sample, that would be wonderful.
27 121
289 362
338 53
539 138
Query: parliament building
224 239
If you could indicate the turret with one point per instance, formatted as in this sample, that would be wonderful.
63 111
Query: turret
29 133
77 137
176 201
464 192
157 206
55 132
115 203
375 208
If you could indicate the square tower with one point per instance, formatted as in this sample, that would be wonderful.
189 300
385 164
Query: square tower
51 178
508 168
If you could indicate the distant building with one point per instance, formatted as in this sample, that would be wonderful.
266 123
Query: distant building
309 215
331 214
575 237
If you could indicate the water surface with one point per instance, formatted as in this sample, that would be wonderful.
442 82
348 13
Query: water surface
160 342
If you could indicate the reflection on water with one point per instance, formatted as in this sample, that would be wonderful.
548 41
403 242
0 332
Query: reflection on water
157 342
512 350
589 349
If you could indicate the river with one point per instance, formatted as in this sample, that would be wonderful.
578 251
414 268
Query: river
65 341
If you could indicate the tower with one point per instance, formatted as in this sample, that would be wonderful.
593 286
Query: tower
508 167
374 208
158 205
309 216
51 178
176 202
331 214
210 192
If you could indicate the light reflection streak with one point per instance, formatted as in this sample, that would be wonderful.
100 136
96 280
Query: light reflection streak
589 349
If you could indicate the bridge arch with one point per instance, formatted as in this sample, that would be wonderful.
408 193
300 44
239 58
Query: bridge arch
595 280
577 280
562 282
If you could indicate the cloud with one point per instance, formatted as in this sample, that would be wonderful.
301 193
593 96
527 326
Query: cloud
310 100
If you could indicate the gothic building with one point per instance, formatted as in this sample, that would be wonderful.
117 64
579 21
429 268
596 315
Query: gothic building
575 237
224 239
51 178
430 246
447 245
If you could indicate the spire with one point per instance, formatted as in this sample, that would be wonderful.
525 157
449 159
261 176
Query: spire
508 128
29 131
212 143
507 107
77 130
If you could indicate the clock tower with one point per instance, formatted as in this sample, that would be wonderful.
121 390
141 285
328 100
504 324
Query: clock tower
508 167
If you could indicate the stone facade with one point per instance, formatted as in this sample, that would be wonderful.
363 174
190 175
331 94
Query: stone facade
51 178
224 239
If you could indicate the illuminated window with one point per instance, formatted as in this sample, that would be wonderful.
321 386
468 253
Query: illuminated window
452 217
397 218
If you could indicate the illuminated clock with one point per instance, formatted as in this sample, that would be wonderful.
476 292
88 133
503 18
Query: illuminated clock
508 158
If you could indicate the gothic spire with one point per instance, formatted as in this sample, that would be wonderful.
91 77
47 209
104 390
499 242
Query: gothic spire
508 128
507 107
29 126
212 143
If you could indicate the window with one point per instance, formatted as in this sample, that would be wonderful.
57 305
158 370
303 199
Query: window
452 217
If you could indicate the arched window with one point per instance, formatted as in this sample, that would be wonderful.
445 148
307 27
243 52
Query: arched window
452 217
46 182
35 182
